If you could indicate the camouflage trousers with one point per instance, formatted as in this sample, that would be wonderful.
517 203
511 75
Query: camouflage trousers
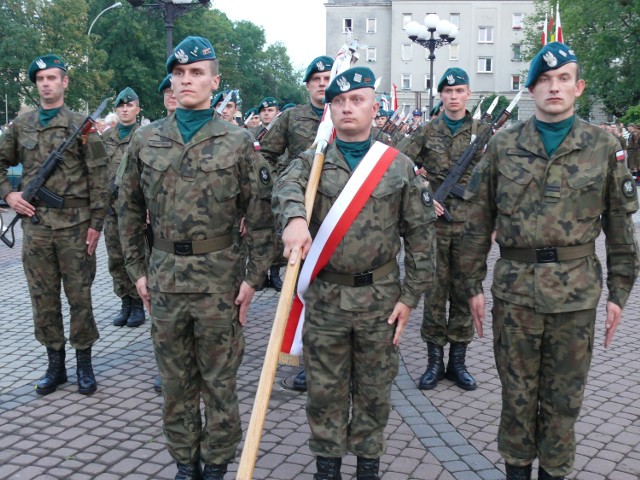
52 257
543 361
447 287
198 344
122 284
342 353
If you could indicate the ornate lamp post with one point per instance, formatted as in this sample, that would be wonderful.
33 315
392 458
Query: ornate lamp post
115 5
425 36
170 10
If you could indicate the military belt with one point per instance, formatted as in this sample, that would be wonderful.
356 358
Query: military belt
548 254
196 247
361 279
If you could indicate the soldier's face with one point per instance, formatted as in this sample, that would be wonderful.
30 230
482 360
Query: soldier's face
267 115
127 112
454 99
352 113
193 84
170 102
380 121
51 84
229 111
555 92
254 122
316 86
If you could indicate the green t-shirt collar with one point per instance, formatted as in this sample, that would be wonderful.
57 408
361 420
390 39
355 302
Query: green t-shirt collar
453 125
190 121
45 115
553 134
125 130
318 111
353 152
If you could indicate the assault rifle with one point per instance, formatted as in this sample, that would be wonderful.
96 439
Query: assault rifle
36 190
450 184
387 125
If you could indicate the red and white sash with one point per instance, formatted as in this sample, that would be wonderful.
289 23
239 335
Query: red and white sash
348 205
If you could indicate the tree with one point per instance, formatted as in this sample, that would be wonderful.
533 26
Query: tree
632 116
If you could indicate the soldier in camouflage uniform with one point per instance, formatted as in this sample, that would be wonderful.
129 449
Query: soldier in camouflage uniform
229 111
436 147
633 151
549 186
197 175
351 333
116 141
61 246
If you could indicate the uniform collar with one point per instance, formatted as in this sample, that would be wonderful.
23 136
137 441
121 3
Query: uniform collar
440 126
529 139
168 128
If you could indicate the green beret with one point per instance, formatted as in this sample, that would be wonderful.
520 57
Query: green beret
288 105
436 109
125 96
453 76
166 83
319 64
222 95
352 79
552 56
191 50
248 113
44 62
267 102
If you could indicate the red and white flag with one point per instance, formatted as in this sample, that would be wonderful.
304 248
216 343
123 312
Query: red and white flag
394 97
558 25
544 31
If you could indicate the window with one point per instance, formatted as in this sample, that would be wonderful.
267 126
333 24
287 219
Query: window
372 25
485 65
371 54
405 81
347 25
516 22
406 51
455 19
453 52
516 52
515 82
427 81
406 18
485 35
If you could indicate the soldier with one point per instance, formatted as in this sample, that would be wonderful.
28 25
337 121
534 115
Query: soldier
197 175
253 118
61 245
229 111
116 141
417 118
381 118
436 147
633 151
549 186
354 321
268 110
436 110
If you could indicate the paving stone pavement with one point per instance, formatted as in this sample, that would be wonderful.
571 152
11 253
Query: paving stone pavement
442 434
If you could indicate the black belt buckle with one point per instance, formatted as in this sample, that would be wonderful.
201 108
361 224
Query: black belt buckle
183 248
363 279
546 255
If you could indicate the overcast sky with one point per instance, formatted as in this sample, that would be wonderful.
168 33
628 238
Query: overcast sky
299 24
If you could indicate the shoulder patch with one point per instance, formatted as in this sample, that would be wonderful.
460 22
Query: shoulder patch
628 188
427 199
620 156
265 176
256 146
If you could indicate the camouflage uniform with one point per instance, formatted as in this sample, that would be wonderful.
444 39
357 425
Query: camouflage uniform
346 337
196 192
437 150
544 312
122 284
55 249
633 152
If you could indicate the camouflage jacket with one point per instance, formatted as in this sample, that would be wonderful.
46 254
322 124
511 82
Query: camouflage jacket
399 206
437 150
195 192
295 131
535 201
116 149
81 175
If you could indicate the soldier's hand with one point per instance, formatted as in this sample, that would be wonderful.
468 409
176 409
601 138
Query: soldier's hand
143 292
439 208
614 315
92 241
476 305
243 228
296 239
244 301
19 204
400 315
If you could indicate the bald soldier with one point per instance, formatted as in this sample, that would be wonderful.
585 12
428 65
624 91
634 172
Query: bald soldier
548 187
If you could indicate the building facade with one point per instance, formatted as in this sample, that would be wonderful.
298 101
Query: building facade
488 45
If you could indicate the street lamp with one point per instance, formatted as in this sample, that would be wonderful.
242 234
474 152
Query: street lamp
424 36
170 10
115 5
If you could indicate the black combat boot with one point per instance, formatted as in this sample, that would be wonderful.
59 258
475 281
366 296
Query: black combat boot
276 281
188 471
136 318
367 469
543 475
300 382
328 468
56 373
518 473
157 384
457 370
435 367
86 379
214 472
125 311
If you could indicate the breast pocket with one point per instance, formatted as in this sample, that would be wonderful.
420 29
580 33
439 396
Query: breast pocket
585 191
156 162
221 175
384 209
28 142
329 189
513 182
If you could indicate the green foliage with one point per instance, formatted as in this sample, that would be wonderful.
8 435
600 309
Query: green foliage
632 116
503 103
